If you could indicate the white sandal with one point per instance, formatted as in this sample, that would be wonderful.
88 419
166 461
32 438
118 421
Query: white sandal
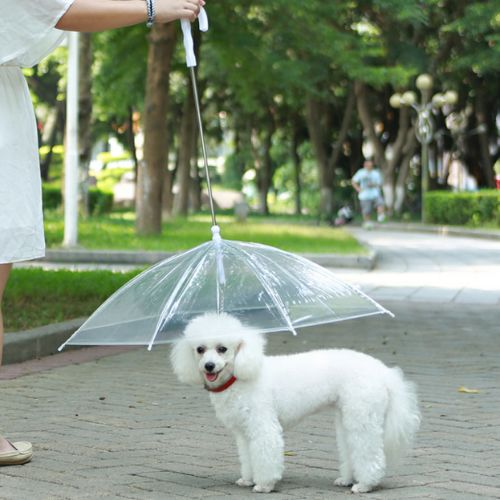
21 454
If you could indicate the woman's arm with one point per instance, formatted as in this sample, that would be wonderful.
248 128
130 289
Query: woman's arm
100 15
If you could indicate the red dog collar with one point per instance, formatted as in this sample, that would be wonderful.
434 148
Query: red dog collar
224 386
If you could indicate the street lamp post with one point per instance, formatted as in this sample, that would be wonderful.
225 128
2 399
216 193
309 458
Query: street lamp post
424 130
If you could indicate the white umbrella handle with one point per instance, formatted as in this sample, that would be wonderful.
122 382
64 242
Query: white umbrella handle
188 39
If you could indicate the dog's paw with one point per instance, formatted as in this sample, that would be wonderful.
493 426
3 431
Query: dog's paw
244 482
361 488
343 482
259 488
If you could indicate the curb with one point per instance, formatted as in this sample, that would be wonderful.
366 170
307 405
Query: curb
38 342
148 258
442 230
367 262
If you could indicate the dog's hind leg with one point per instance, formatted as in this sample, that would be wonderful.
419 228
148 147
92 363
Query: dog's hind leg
246 478
346 476
365 441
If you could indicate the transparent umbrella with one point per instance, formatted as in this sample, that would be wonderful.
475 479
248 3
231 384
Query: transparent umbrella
262 286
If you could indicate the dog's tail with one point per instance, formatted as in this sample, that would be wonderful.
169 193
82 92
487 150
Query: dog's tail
402 418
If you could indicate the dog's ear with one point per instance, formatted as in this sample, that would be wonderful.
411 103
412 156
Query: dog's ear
248 360
185 364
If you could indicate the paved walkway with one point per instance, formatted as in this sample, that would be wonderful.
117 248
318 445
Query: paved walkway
428 267
121 427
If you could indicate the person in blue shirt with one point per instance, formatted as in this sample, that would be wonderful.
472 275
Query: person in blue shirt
367 181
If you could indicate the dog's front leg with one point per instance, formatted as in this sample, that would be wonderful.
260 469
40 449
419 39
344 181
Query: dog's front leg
245 461
267 455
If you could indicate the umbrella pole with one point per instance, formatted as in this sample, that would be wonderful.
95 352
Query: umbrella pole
203 146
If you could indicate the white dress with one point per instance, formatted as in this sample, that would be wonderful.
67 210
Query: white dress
27 34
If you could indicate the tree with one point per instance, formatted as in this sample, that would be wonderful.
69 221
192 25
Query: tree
162 41
85 113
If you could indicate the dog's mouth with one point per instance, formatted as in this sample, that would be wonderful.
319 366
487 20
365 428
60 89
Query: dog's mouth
211 376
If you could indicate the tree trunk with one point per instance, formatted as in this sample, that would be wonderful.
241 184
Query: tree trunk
187 142
186 149
56 127
149 189
85 116
131 140
196 184
297 168
484 150
261 149
400 188
167 195
267 170
344 129
401 144
365 117
404 142
318 134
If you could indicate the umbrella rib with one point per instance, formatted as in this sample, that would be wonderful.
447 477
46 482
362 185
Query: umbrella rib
329 275
296 281
125 287
297 258
350 287
274 297
174 295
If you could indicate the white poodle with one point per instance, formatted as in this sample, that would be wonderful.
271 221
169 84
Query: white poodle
257 396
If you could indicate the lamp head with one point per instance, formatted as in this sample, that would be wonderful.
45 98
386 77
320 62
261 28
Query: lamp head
451 97
438 100
395 100
409 98
424 82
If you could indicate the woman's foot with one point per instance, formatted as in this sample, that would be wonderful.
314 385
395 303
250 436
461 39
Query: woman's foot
5 445
17 453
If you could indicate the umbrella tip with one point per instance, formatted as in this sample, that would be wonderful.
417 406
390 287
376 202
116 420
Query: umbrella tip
216 233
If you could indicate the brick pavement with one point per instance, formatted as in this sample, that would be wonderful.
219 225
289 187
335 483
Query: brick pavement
122 427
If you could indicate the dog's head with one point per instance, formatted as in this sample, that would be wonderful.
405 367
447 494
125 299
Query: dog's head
213 348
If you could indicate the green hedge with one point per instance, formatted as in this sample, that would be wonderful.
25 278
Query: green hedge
100 201
51 196
465 209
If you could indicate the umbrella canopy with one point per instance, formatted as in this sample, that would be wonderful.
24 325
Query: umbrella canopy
262 286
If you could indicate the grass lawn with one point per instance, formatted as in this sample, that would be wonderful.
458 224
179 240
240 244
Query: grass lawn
117 232
35 297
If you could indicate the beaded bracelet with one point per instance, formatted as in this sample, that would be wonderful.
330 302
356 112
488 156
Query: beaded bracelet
150 4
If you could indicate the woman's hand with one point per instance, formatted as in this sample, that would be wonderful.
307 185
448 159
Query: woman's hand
170 10
100 15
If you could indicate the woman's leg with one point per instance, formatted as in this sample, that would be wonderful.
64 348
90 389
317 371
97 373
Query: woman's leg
4 276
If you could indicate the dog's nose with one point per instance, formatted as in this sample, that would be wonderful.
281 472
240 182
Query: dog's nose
209 366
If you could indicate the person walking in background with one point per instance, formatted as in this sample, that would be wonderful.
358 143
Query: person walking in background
367 181
27 34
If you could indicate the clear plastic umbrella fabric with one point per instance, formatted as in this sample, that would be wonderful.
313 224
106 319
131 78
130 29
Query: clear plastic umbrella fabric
263 287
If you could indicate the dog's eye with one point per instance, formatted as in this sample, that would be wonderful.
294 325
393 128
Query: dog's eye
221 349
200 349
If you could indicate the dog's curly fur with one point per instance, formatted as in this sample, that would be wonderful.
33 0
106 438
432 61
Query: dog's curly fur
376 409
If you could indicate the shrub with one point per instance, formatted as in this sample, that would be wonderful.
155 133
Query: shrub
51 196
466 209
100 201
